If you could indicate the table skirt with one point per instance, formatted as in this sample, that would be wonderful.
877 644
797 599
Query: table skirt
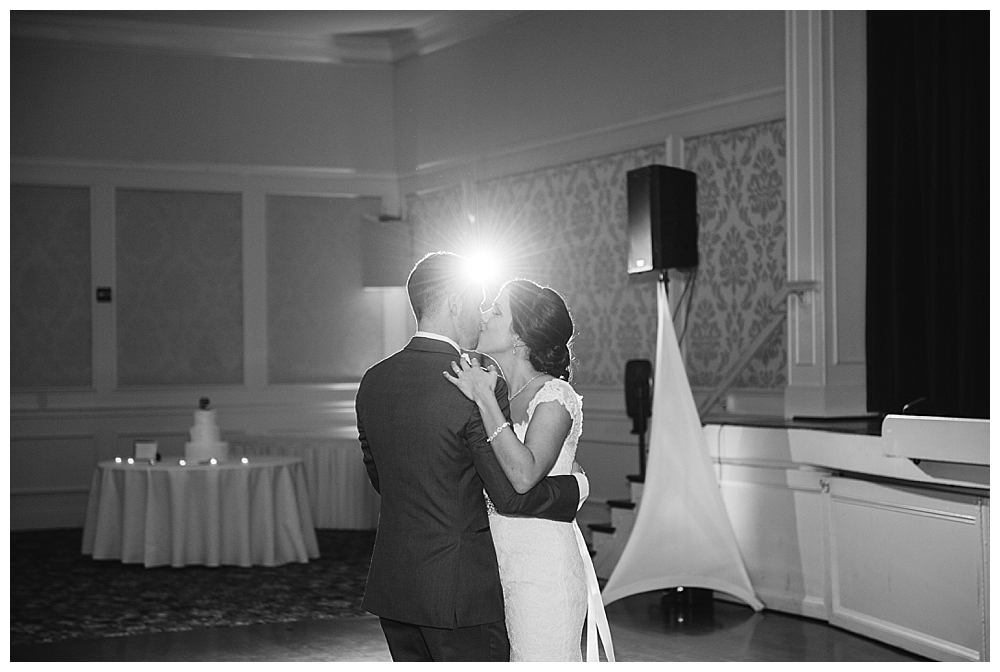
226 514
340 494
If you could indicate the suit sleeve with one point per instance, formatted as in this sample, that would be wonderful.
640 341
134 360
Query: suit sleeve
553 498
366 451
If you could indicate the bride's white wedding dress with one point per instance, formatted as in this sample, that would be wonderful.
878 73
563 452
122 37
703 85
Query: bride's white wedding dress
549 585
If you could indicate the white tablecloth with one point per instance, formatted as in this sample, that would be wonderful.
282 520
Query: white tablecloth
226 514
340 494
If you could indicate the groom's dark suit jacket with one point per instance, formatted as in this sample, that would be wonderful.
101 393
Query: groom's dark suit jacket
426 453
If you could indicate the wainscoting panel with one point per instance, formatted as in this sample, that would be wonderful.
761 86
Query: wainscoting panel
50 480
777 516
43 463
906 567
985 535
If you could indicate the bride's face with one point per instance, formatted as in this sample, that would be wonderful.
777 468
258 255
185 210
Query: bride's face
497 335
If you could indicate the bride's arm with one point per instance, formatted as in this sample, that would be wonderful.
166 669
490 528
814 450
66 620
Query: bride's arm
527 463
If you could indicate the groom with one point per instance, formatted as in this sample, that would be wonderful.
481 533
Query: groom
433 580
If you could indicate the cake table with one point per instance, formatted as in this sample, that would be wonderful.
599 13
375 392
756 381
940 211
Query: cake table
231 513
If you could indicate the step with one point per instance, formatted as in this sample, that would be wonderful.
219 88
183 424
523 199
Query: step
635 485
623 519
621 503
607 550
609 541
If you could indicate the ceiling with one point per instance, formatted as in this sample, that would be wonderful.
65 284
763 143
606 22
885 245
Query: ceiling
380 36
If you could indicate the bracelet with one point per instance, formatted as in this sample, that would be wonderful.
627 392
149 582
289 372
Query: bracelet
496 432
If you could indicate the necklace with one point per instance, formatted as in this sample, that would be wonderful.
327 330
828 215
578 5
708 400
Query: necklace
524 386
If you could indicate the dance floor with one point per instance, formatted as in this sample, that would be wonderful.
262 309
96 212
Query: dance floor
645 628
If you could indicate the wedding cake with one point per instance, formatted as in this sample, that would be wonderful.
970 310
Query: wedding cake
206 441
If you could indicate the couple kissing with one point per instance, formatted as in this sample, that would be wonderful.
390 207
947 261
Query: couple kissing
478 556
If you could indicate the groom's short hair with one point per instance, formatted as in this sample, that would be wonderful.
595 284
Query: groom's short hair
433 278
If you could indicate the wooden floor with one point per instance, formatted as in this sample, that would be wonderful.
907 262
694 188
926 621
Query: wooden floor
644 628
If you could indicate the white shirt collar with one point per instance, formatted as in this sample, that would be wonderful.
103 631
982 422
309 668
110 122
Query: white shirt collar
438 337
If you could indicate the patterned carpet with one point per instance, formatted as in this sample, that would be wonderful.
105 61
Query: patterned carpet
57 593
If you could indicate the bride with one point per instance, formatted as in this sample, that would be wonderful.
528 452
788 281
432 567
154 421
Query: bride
548 579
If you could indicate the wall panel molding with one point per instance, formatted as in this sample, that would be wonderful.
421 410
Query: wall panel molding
906 567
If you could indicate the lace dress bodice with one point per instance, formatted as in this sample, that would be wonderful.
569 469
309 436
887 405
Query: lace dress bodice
563 392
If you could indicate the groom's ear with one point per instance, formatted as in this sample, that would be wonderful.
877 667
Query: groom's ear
454 304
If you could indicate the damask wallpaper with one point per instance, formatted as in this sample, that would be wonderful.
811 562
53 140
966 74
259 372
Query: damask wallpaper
50 301
566 227
741 248
179 283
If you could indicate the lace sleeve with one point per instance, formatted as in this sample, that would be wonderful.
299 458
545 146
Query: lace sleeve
563 392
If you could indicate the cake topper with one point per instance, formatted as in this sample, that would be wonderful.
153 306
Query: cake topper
203 403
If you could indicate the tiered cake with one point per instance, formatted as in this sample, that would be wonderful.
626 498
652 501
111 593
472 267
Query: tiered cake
206 441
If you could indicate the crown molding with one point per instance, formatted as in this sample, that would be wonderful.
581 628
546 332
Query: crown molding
195 40
452 28
382 48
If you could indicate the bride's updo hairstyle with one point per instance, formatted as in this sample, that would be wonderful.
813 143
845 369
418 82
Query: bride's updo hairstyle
539 316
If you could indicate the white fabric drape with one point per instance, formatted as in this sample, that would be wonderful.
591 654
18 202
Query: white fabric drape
682 534
340 495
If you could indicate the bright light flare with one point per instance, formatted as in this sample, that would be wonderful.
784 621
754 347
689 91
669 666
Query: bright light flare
484 267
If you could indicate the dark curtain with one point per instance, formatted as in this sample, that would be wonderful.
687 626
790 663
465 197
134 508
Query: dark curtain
927 310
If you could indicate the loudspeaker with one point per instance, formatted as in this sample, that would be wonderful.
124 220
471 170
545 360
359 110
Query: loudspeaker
638 393
662 218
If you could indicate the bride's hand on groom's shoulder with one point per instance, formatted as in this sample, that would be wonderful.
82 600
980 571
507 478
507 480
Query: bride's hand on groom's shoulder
474 381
